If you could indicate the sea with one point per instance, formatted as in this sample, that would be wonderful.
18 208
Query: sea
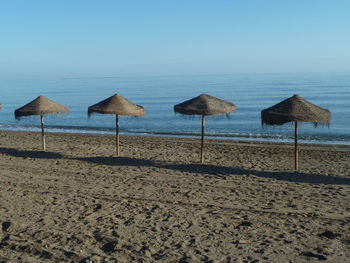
251 93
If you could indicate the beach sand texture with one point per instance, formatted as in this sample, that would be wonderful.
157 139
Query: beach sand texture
77 203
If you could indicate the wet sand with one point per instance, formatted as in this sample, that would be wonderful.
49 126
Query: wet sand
77 202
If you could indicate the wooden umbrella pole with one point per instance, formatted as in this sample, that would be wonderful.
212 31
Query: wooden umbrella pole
117 135
202 141
42 132
296 164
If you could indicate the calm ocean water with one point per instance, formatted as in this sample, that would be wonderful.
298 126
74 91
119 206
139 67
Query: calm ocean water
250 93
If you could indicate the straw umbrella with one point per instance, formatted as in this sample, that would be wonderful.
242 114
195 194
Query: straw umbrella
295 109
204 105
40 106
117 105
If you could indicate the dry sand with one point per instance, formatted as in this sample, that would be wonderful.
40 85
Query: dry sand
78 203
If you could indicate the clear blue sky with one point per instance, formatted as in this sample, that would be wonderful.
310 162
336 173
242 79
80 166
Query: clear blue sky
72 38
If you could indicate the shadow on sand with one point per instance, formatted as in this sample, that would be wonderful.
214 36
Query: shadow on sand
208 169
30 154
215 170
296 177
118 161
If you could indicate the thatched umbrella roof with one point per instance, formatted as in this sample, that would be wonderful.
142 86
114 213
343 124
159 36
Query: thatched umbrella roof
40 106
118 105
295 108
204 105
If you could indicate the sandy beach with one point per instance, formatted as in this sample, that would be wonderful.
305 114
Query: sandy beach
77 202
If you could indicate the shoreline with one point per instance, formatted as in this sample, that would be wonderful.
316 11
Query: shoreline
78 201
242 139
